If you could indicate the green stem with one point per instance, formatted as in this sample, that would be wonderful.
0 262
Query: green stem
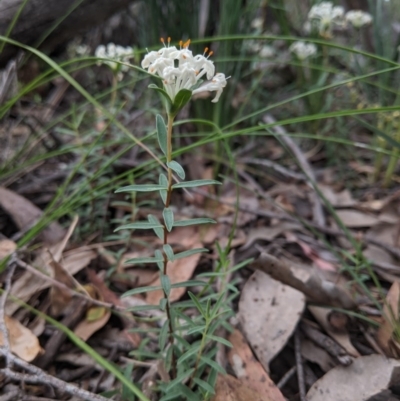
167 203
114 89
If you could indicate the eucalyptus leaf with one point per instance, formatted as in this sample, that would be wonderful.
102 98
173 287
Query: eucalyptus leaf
195 183
190 252
141 188
161 133
168 216
175 166
192 222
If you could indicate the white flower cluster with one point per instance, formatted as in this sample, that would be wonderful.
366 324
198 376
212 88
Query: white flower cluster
179 69
114 53
324 16
358 18
303 50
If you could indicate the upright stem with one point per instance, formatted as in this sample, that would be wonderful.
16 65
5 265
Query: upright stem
167 203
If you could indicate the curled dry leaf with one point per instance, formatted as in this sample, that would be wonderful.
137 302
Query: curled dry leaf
340 336
385 334
23 342
228 388
249 371
25 213
29 283
364 378
269 312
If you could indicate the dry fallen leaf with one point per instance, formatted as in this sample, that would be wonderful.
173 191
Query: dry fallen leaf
249 371
229 388
341 337
25 213
365 377
311 352
7 247
356 219
391 316
337 199
269 312
23 342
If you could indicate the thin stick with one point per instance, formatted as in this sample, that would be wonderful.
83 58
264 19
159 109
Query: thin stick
299 366
39 376
3 326
286 377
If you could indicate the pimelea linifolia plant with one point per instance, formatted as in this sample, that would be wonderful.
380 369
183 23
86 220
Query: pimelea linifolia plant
181 76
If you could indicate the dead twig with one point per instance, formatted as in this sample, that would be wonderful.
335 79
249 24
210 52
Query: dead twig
299 366
312 285
3 326
318 211
38 376
286 377
327 344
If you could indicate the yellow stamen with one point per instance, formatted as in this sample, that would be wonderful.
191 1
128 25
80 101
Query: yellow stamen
186 44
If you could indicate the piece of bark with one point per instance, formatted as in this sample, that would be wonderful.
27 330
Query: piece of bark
39 16
312 285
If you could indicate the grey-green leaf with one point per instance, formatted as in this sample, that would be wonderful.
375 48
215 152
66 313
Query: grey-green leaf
190 252
164 95
195 183
158 254
140 225
163 336
161 133
192 222
163 180
141 188
143 260
158 228
169 252
203 384
165 284
175 166
141 290
168 215
163 304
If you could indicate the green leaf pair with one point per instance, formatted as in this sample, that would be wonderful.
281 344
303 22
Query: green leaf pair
173 107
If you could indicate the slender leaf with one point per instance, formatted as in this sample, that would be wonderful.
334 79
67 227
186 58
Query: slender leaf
195 183
163 336
141 188
191 222
158 228
175 166
141 290
165 284
149 259
143 308
178 380
189 283
188 393
213 364
158 255
168 216
163 304
197 304
219 340
169 252
161 133
204 385
190 252
163 181
140 225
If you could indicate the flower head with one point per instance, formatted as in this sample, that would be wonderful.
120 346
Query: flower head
358 18
324 16
114 53
179 69
303 50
